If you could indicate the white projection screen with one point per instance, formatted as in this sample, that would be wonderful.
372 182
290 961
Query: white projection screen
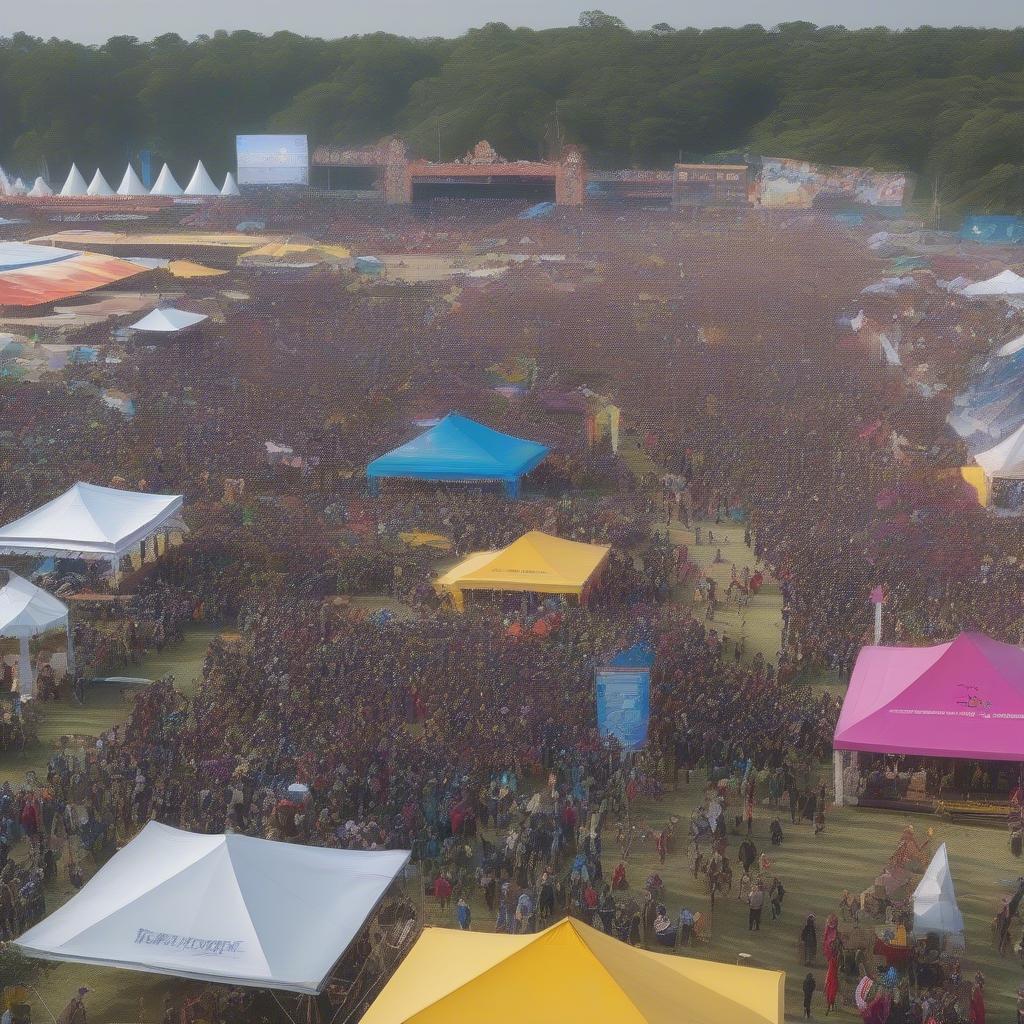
272 159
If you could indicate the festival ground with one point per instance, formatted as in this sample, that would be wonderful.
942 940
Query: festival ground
814 869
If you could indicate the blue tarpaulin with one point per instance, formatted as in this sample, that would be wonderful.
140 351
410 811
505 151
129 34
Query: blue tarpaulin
640 655
540 210
996 230
460 449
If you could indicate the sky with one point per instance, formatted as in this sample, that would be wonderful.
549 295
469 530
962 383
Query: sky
92 21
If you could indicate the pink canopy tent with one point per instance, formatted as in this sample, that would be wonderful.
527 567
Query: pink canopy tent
961 699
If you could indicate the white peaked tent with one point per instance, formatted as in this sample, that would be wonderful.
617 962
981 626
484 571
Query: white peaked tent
1006 283
1011 347
75 184
1004 461
40 188
26 611
230 186
222 908
19 188
201 184
89 521
165 184
99 186
5 184
169 320
131 184
935 906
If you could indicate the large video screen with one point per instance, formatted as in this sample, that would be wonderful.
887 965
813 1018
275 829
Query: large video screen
272 159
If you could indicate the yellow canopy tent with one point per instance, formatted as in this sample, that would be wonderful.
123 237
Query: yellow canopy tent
536 562
187 268
568 972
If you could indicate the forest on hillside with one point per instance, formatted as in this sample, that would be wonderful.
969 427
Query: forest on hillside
946 104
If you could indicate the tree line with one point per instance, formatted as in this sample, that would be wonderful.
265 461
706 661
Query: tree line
945 104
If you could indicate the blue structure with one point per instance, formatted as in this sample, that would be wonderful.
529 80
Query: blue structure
622 693
460 449
995 230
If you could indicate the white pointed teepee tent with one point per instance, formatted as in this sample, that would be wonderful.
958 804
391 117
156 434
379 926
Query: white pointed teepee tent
5 185
201 184
935 906
131 184
75 184
1006 283
19 188
165 184
99 186
230 186
40 188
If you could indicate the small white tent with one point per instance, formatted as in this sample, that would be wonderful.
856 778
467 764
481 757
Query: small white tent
99 186
222 908
19 188
40 188
75 184
230 186
131 184
1006 283
201 184
168 321
1004 461
165 184
25 611
1011 347
935 906
5 184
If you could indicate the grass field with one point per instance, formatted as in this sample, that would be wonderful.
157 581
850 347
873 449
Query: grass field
852 851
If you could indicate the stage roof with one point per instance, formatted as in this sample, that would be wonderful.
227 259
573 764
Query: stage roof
219 908
568 972
960 699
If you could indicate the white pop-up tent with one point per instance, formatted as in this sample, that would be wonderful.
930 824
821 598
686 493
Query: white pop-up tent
230 186
935 906
201 184
1004 461
168 320
131 184
99 186
222 908
40 188
89 521
74 185
165 185
25 612
1006 283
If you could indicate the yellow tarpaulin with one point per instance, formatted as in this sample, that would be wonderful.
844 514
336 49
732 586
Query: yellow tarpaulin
423 539
84 237
975 476
186 268
568 972
536 562
296 252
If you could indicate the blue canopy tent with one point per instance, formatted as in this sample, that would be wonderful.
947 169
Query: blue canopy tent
460 449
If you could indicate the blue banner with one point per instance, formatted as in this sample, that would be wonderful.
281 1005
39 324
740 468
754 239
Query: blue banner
624 704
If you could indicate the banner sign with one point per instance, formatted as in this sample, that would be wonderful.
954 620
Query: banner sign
624 704
794 184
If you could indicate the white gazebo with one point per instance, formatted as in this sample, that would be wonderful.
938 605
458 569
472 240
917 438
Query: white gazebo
92 522
227 909
25 612
168 320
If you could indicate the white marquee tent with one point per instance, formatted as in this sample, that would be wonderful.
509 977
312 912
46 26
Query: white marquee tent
201 184
25 612
935 906
1004 461
99 186
165 184
230 186
221 908
75 184
168 320
131 184
89 521
40 188
1006 283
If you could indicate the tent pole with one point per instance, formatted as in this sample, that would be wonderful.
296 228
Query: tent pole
837 776
71 647
25 681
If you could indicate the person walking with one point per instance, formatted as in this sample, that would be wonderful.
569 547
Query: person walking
808 986
755 903
809 938
463 915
